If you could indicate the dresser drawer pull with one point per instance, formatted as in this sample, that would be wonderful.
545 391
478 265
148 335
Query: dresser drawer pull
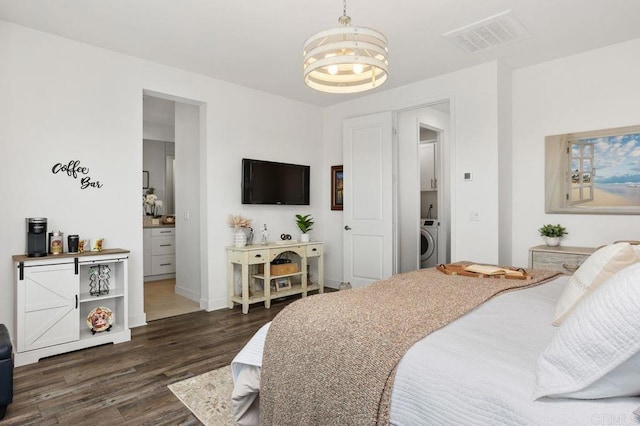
166 232
258 255
570 268
165 264
165 245
314 249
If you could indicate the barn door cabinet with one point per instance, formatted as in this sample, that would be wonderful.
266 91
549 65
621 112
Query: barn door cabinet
53 301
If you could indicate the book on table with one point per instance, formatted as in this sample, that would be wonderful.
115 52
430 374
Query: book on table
492 270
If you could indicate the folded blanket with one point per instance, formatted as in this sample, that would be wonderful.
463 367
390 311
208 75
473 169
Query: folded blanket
331 358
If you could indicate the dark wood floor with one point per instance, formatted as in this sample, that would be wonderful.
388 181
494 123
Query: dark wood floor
126 384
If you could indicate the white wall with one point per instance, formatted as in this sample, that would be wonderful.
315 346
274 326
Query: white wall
187 181
474 147
598 89
505 165
62 100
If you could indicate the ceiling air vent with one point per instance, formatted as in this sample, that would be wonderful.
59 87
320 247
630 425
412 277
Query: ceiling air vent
488 33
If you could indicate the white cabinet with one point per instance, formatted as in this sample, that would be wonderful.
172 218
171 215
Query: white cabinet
428 167
53 301
159 253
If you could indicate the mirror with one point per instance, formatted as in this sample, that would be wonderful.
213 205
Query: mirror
157 159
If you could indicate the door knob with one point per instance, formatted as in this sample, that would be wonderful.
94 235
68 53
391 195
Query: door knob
347 228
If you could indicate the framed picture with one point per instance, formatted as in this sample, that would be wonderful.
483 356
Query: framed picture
283 283
337 185
145 179
593 172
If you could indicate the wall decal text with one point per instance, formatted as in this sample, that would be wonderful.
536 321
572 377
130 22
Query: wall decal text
74 170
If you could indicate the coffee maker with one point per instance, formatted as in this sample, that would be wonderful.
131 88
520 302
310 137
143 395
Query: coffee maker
36 236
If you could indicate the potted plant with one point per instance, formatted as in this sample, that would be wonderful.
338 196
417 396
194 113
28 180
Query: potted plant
305 223
552 234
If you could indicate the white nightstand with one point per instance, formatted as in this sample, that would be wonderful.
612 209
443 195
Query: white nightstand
564 259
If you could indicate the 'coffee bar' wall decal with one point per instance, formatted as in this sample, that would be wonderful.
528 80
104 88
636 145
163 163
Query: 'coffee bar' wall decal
74 170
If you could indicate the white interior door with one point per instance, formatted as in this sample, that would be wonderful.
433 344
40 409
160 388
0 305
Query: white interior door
368 198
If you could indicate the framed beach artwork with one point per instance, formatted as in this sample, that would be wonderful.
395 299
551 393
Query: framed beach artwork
337 188
595 172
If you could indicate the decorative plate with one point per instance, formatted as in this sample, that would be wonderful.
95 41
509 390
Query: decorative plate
100 319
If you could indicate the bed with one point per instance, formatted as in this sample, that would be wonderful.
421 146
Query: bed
479 369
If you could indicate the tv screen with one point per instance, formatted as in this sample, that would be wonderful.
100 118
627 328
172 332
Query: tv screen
267 182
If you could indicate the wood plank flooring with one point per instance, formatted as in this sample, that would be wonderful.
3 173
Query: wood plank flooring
127 383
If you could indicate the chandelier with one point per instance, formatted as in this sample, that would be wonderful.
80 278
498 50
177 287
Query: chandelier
346 59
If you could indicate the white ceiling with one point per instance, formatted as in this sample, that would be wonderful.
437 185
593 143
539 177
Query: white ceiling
258 43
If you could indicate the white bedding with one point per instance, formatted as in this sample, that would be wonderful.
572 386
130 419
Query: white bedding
478 370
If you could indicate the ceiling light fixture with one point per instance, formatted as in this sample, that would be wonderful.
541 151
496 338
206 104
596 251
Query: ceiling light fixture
346 59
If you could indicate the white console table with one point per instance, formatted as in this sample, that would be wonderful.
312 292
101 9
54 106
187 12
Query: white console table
252 256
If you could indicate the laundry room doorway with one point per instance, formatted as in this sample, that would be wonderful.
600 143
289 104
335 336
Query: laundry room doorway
424 195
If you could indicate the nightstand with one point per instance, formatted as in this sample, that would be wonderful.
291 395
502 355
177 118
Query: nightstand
564 259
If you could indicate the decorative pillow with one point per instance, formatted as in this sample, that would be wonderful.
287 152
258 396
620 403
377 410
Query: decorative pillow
598 267
596 352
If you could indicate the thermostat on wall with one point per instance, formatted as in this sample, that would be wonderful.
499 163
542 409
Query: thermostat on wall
468 176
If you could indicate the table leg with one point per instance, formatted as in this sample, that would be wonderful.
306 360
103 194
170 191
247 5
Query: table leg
267 285
230 289
321 274
245 288
303 266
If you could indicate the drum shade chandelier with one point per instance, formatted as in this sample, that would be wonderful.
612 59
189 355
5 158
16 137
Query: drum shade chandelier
346 59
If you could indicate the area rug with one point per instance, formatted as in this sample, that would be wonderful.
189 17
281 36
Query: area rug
208 396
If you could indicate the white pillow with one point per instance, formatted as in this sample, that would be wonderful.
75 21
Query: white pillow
598 267
596 352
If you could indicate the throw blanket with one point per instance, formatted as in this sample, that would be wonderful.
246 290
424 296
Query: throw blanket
330 359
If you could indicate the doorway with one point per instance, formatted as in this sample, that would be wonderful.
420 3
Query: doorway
424 195
171 138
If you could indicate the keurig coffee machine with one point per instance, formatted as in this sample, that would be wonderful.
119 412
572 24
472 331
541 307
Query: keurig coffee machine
36 236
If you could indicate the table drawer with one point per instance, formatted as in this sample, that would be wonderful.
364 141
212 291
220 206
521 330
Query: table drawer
250 257
314 250
567 263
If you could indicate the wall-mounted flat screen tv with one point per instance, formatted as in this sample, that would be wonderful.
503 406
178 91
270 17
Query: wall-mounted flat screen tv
267 182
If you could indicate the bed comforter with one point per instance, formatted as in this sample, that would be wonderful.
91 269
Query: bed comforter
478 370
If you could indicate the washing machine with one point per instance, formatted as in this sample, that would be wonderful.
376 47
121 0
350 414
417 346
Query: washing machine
428 243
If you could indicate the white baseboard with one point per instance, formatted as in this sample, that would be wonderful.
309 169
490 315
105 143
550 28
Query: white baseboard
137 320
214 304
189 294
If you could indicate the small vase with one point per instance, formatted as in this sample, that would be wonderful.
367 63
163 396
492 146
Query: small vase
248 232
552 241
239 238
304 238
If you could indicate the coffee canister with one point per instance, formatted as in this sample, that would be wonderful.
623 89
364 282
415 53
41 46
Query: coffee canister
56 242
72 243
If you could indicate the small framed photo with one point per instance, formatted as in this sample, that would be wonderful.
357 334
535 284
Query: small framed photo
337 186
283 283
